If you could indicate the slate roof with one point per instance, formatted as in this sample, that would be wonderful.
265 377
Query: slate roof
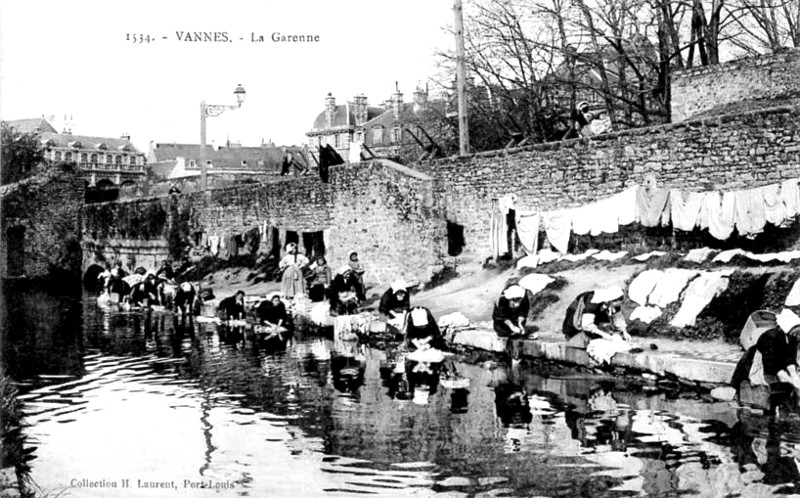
224 157
89 142
387 119
340 117
30 125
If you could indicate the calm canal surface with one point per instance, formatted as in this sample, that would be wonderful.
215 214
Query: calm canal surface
116 399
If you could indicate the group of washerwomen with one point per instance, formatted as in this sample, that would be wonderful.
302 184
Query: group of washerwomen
145 289
592 315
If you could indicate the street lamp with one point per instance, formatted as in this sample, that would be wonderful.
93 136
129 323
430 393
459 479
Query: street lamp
207 110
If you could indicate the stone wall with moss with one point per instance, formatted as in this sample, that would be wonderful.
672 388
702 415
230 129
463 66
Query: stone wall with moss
41 225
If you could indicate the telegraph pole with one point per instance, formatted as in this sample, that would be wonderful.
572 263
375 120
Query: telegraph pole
461 75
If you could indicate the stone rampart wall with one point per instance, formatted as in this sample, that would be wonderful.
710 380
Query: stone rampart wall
700 89
722 153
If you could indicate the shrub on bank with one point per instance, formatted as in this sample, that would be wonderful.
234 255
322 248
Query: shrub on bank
14 452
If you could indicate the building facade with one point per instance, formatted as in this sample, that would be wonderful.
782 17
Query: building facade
376 131
102 161
172 161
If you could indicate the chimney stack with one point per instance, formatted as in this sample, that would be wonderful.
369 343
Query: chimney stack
330 109
420 99
397 101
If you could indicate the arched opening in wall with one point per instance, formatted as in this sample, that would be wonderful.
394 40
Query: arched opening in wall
291 237
103 191
455 239
275 249
15 242
314 244
90 277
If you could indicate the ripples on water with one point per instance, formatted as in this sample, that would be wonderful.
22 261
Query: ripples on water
125 396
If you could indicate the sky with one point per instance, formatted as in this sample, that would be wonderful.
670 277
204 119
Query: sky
73 59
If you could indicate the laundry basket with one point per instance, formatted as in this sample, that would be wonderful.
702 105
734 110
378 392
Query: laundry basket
757 323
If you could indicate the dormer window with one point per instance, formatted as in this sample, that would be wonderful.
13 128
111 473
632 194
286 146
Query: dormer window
244 163
101 146
76 145
124 148
48 142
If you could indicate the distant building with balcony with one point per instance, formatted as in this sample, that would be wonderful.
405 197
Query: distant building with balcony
103 161
171 161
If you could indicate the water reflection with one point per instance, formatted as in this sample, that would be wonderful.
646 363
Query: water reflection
148 394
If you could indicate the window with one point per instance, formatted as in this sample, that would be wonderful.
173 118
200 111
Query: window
57 155
133 160
109 159
68 157
94 158
397 134
359 137
192 163
84 157
118 160
337 141
377 136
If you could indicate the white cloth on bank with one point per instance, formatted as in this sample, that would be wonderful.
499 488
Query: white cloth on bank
602 350
669 288
793 298
645 313
648 255
699 255
727 256
535 282
579 257
698 294
606 255
644 283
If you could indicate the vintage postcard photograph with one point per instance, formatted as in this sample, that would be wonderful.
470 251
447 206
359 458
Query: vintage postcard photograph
466 248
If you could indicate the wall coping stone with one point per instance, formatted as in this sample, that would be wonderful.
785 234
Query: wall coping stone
699 123
756 60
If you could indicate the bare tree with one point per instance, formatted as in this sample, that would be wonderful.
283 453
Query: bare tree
766 25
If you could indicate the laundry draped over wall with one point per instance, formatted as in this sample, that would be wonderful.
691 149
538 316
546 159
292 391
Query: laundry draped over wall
747 211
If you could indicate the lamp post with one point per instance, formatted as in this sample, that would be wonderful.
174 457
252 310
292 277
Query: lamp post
207 110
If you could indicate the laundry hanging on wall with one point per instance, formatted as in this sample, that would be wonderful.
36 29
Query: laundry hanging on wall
746 210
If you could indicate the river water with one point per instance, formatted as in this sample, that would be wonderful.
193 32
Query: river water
135 404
